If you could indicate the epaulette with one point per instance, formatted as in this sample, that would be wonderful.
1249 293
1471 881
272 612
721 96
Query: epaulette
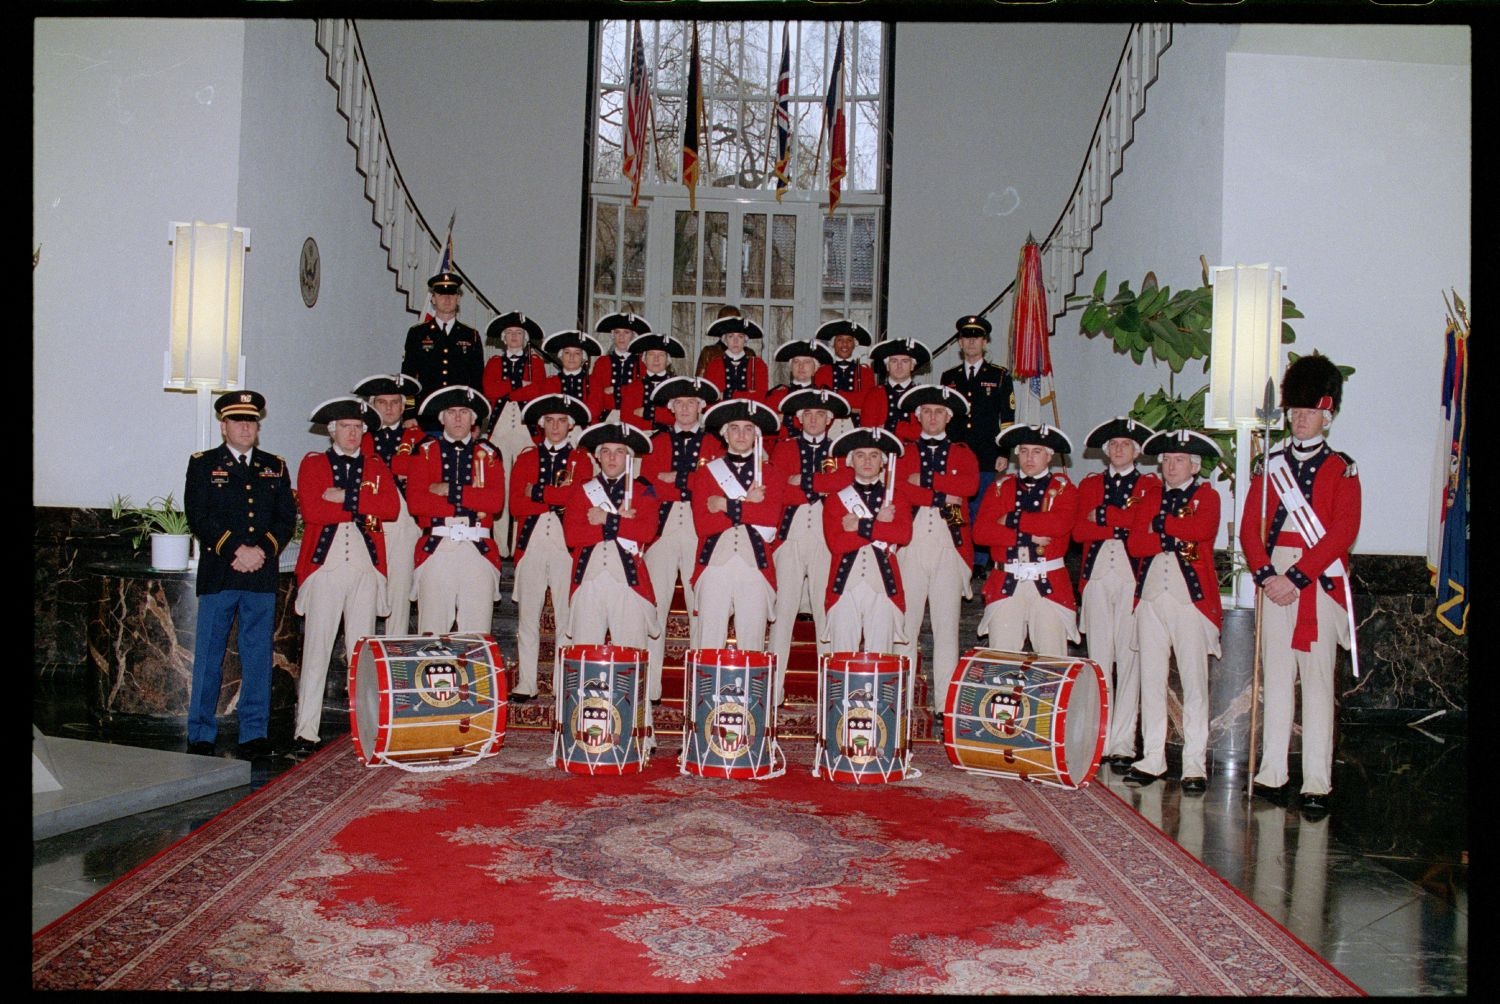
486 446
1350 471
198 454
427 445
1060 476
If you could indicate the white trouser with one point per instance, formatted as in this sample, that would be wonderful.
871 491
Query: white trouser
1106 614
670 557
733 586
801 575
1010 620
1167 625
456 583
935 577
401 537
863 616
346 587
545 566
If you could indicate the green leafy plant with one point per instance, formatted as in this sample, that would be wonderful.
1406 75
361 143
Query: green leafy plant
160 515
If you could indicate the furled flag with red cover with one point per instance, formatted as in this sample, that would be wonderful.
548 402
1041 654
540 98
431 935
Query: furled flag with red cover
833 120
446 265
693 114
637 113
783 113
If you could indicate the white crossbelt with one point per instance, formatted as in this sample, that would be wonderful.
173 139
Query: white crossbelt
856 505
736 492
1298 509
597 495
1030 571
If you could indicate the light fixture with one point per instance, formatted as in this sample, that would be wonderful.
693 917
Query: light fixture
208 279
1246 354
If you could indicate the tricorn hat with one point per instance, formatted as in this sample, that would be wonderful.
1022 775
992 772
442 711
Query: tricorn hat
902 347
377 384
660 342
798 349
513 319
741 409
456 396
725 325
1118 428
1034 435
635 322
602 433
1312 382
1181 441
684 386
830 330
556 404
867 437
830 401
931 393
346 406
571 339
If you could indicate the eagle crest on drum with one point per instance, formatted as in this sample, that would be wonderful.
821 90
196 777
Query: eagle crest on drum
442 683
1006 708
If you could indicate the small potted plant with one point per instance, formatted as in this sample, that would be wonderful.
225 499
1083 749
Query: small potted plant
167 525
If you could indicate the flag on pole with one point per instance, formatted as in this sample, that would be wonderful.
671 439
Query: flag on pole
637 112
446 265
1030 326
693 114
783 113
1451 574
833 122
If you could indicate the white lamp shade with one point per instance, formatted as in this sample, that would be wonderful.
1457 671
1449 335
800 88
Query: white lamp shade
1246 342
208 277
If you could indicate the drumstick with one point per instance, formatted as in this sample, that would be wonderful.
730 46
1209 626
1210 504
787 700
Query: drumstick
629 463
756 478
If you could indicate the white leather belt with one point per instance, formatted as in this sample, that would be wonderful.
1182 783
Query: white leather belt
461 532
1031 570
628 546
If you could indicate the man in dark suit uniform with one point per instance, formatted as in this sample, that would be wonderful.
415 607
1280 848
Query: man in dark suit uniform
992 406
443 351
239 504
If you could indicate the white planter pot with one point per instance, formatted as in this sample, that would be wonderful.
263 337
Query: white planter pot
287 562
169 551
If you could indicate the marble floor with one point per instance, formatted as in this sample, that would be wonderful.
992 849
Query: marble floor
1379 887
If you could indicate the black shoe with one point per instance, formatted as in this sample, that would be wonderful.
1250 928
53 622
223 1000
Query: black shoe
656 702
201 749
521 698
303 748
256 748
1277 795
1134 776
1315 807
1120 765
1194 785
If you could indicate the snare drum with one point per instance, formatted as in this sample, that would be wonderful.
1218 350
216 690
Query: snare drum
863 717
1035 717
601 710
733 731
427 702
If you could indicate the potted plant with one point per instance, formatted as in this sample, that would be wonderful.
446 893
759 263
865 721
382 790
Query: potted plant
167 525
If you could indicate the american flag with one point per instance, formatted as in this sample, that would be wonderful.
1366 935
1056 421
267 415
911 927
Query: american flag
637 113
833 120
690 130
783 113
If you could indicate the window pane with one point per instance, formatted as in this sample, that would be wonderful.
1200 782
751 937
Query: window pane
753 256
783 256
602 306
633 275
715 246
609 143
684 329
606 223
835 252
862 259
864 148
779 331
685 254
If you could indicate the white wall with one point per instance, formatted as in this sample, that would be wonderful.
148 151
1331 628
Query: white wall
990 124
487 117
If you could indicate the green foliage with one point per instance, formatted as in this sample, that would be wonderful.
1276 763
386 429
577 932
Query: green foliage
159 515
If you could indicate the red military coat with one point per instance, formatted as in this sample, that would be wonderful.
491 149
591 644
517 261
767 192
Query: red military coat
583 536
757 378
378 498
633 408
553 385
877 410
498 390
601 383
659 461
1090 532
1190 532
767 512
864 382
1336 498
485 495
1055 520
400 464
787 458
960 476
524 506
842 544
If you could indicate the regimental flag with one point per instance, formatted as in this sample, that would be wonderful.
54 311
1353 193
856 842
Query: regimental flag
833 123
446 265
1451 576
691 130
637 114
783 113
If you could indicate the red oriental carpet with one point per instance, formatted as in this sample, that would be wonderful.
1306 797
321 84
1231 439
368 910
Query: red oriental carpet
512 875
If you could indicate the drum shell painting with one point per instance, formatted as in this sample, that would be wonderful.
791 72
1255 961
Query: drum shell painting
864 704
602 729
730 684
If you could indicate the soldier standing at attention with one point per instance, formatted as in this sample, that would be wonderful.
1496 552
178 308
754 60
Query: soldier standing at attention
238 501
443 351
992 406
392 442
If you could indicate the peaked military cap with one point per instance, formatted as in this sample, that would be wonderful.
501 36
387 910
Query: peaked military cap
864 438
446 282
741 410
684 386
1118 428
455 396
798 349
556 404
388 383
658 342
513 319
1181 441
570 338
635 322
1312 382
931 393
902 347
815 397
1034 435
973 326
337 408
725 325
604 433
241 404
830 330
